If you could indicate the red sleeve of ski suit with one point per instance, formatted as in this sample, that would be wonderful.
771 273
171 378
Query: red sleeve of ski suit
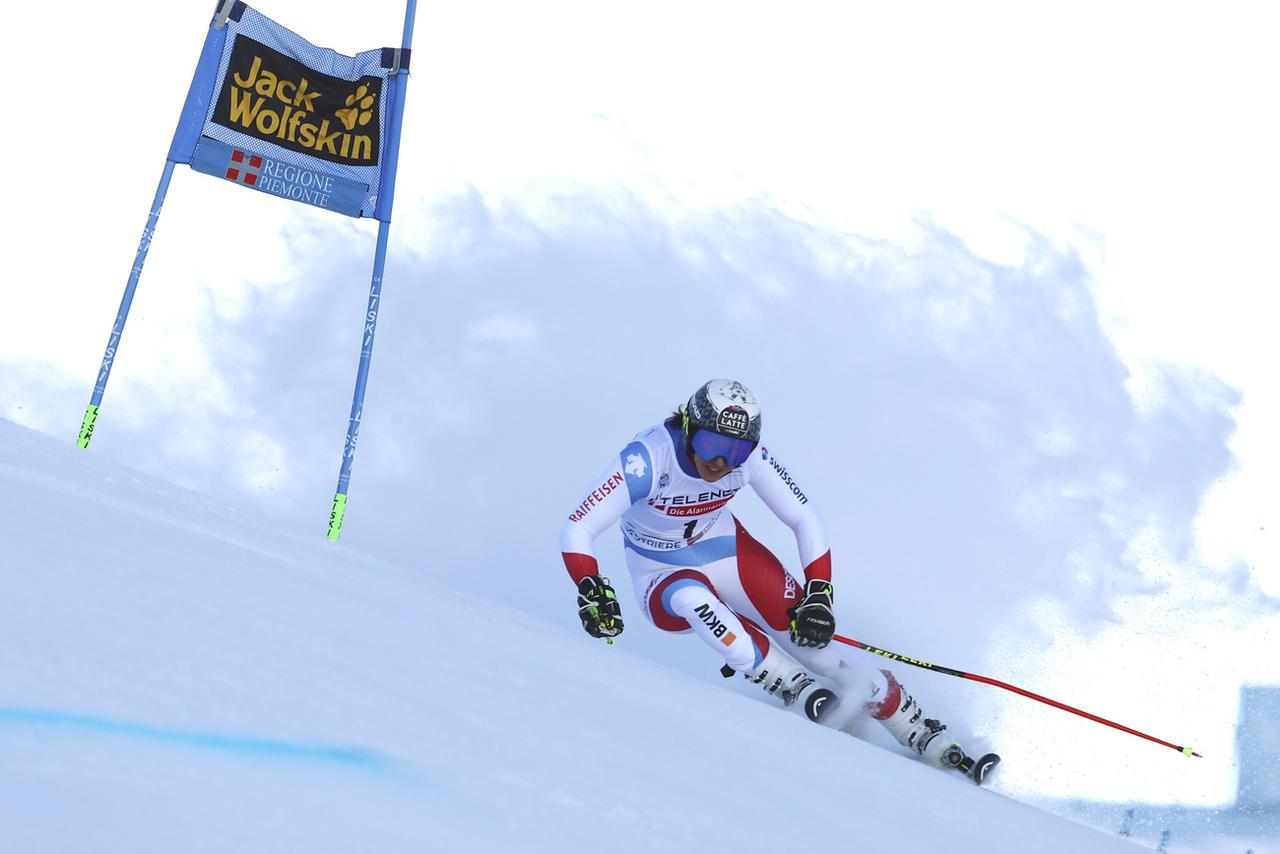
580 566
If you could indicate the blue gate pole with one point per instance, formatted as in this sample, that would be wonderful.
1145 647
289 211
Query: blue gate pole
386 191
113 343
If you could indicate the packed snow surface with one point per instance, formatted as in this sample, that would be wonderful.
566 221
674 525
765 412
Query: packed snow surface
176 677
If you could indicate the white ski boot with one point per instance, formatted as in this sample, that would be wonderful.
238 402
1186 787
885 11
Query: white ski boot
905 720
784 677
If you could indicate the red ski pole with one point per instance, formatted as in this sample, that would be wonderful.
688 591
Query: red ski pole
1014 688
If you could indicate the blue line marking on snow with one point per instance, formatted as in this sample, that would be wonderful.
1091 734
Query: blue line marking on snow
247 746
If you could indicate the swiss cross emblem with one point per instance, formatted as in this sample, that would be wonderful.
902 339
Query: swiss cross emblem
244 167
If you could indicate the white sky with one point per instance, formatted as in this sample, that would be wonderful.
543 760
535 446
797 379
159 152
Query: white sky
1143 134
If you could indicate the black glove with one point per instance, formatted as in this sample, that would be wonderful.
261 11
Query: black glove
812 620
598 608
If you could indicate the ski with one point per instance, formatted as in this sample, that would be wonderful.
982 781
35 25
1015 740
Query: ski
818 703
978 769
975 769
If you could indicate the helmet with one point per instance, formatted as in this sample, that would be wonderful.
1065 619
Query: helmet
722 419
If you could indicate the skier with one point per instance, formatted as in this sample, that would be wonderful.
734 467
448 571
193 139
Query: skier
695 568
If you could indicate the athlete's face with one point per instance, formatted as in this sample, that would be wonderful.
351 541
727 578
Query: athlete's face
711 470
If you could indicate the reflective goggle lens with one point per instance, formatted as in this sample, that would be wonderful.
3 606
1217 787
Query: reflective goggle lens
711 445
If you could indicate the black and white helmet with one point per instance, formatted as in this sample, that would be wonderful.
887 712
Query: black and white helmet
722 419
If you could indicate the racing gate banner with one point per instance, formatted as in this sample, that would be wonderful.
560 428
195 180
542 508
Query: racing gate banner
272 112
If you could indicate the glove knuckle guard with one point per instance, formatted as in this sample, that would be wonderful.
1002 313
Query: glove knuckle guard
812 620
598 607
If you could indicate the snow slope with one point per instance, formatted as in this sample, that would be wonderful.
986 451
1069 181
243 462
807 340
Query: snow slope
176 677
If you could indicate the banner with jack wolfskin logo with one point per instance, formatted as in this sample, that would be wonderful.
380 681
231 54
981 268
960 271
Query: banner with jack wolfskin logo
270 111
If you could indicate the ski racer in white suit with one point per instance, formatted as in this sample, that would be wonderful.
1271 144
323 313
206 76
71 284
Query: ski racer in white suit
695 568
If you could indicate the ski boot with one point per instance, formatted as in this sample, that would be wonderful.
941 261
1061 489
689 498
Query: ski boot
902 716
786 678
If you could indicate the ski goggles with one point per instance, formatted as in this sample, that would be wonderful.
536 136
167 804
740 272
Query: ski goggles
709 445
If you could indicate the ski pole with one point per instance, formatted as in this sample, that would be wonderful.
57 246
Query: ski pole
1014 688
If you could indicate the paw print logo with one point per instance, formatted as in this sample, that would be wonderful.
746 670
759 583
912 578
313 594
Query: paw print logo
357 111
